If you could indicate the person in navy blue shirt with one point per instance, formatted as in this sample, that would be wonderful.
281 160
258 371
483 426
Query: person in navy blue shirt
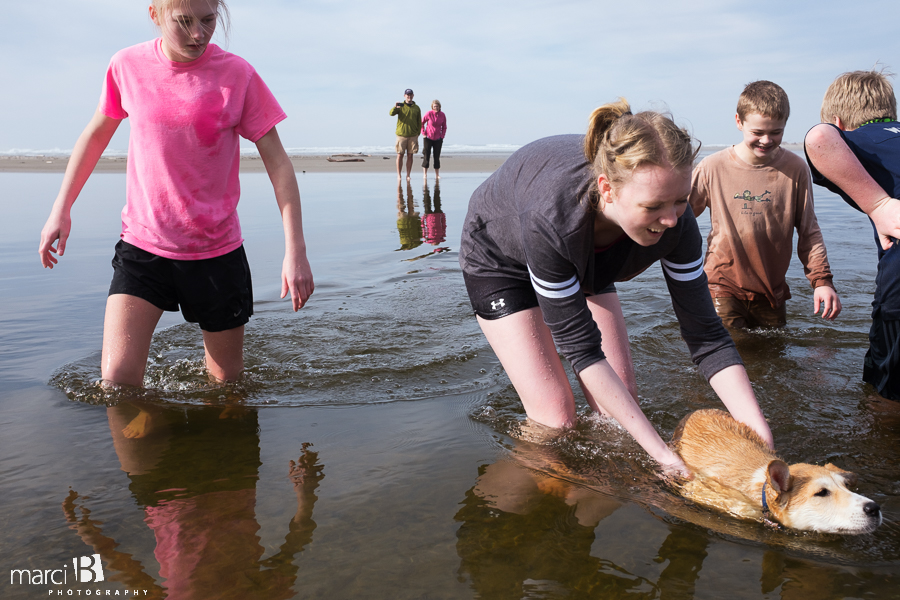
855 153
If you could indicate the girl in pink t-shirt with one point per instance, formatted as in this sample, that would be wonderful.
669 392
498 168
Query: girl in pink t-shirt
181 246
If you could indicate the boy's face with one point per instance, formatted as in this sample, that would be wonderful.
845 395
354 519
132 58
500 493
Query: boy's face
762 137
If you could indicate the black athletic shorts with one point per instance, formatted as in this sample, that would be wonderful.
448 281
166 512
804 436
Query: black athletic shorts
498 296
215 293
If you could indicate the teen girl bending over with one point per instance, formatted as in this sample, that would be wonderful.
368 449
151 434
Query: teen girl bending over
189 102
546 238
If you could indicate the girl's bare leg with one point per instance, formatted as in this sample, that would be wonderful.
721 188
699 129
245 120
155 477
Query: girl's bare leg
127 330
225 353
526 350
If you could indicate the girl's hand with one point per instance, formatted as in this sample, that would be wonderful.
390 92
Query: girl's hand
296 278
674 469
56 228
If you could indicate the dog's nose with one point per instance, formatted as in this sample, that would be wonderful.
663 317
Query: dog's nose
871 509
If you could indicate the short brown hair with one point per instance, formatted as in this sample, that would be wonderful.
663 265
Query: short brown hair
618 142
764 98
859 96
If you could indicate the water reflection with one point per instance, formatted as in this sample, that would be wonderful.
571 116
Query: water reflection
435 221
527 533
415 228
409 222
193 471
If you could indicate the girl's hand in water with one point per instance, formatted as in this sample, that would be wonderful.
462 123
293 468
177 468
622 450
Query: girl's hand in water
675 470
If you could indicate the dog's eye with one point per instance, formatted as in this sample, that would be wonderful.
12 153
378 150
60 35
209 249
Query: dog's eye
822 493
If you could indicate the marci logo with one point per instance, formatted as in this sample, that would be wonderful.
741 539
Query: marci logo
88 569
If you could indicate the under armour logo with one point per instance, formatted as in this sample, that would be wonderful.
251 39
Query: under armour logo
495 304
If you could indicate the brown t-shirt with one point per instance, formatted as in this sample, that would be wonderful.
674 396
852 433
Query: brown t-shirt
754 210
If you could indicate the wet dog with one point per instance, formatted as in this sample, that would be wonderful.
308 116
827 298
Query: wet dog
735 471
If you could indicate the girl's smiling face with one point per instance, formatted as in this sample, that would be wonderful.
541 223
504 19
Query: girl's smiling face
647 204
186 28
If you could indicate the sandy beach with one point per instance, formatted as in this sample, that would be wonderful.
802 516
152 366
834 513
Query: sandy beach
374 163
337 163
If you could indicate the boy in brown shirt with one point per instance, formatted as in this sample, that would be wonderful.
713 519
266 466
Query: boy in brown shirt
758 193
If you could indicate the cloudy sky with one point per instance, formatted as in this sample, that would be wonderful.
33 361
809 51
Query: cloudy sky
506 72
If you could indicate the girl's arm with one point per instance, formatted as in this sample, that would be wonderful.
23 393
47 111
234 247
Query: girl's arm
606 393
90 145
296 275
733 387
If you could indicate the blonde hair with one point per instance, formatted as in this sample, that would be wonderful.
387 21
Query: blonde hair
438 102
764 98
618 142
223 16
859 96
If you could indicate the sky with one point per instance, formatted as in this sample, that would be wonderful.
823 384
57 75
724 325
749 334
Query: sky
506 72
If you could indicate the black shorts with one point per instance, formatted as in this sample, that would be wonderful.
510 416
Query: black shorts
499 296
881 367
215 292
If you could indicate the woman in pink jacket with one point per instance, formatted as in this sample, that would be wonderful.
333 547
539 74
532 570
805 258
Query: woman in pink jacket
434 124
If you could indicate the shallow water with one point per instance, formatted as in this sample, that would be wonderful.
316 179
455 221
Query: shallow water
419 481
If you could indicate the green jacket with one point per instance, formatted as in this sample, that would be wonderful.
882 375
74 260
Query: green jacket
409 119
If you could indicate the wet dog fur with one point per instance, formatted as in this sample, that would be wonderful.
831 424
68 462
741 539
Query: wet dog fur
732 466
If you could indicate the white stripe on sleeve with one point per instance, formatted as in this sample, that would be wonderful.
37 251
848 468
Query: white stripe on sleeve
683 272
549 289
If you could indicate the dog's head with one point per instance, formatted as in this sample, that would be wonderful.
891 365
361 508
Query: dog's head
814 498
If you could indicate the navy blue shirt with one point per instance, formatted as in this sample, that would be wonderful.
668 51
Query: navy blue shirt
877 146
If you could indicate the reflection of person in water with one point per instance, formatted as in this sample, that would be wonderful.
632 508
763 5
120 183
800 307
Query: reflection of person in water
194 472
525 531
435 221
409 223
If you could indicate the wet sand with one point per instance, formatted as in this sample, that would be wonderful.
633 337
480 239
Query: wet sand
373 163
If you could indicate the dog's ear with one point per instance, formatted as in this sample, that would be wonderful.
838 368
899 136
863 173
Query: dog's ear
848 477
779 476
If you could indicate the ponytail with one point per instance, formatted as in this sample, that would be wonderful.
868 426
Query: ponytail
599 124
618 142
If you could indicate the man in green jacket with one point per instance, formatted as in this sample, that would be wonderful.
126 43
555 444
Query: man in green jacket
409 124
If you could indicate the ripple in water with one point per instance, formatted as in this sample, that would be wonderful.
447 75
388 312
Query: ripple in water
416 340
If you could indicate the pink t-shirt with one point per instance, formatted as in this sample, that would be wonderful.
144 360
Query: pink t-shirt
182 185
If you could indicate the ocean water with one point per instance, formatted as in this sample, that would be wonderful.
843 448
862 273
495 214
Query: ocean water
376 449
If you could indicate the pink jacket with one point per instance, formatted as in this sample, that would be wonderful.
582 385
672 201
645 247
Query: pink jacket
435 124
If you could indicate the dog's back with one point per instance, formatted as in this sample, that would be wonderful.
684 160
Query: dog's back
727 458
713 444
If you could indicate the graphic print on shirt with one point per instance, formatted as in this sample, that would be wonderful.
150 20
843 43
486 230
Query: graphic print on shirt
751 202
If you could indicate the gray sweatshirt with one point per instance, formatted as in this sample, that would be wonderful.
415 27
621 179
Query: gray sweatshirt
532 220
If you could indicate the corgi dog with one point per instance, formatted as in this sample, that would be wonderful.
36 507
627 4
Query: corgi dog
736 472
